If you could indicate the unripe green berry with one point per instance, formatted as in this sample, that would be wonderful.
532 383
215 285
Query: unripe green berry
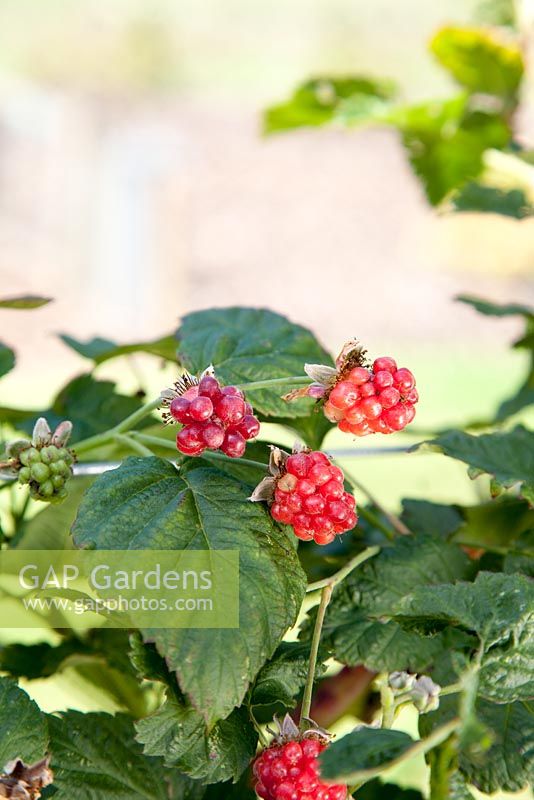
24 457
56 468
58 481
46 489
63 453
48 454
24 475
40 472
33 455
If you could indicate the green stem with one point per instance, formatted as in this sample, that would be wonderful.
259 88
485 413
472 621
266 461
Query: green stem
453 688
298 380
395 522
376 522
245 461
134 445
153 441
341 574
131 421
107 436
156 441
316 640
421 747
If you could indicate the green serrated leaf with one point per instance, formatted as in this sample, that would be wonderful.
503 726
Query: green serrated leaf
496 309
282 678
23 728
480 60
146 504
364 750
24 302
7 359
249 344
357 624
376 790
321 100
425 517
178 733
507 456
508 764
100 350
383 645
500 610
477 197
446 141
95 757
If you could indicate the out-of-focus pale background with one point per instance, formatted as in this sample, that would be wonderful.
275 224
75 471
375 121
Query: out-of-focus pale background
135 184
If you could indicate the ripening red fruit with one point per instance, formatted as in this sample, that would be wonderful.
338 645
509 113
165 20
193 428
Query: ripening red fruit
289 770
201 409
179 409
213 417
230 409
377 399
234 444
316 506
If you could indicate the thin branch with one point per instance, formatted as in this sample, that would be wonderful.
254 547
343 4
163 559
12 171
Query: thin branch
341 574
316 640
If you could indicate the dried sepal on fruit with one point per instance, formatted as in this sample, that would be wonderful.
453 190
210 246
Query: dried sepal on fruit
20 781
213 417
289 768
44 462
362 398
305 490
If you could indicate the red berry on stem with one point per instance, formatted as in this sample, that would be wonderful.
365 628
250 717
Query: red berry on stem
249 427
343 395
313 504
230 409
304 487
232 391
201 409
371 407
298 464
404 380
189 440
396 417
234 444
367 390
386 363
358 376
179 409
213 435
319 474
209 387
382 379
333 489
389 397
281 513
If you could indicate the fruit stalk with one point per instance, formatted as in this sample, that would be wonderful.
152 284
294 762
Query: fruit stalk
326 594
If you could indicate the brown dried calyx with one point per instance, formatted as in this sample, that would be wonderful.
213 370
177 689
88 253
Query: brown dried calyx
264 491
325 378
288 731
21 781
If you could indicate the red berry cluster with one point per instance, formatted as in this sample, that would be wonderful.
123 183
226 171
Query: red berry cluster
377 400
214 417
310 496
290 771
